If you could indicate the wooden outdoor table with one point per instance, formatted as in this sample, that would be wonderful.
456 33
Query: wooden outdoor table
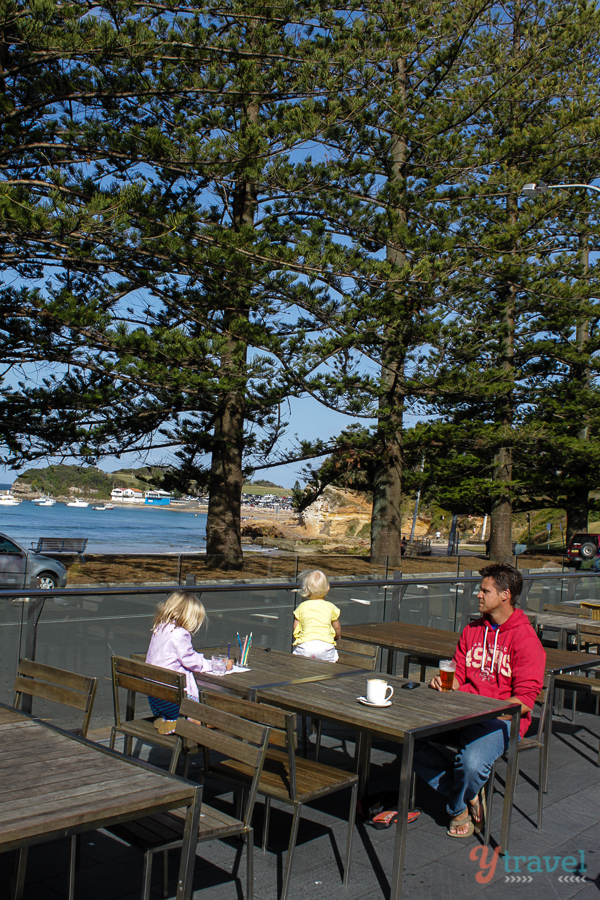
433 644
55 784
413 715
7 714
270 667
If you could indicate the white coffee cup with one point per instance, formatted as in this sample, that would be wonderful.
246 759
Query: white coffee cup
377 691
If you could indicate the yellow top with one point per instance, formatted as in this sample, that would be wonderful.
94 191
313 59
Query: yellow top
315 618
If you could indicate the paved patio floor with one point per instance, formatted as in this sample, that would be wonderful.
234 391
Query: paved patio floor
435 866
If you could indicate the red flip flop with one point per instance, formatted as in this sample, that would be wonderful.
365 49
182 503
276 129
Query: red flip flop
389 817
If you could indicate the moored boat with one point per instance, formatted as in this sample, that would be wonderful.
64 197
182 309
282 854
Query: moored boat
80 504
7 498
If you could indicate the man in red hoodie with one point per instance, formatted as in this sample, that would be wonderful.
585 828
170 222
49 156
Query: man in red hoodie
498 655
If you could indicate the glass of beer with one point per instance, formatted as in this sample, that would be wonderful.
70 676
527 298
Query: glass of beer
447 670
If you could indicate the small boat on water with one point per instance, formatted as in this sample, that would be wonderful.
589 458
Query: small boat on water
102 508
79 504
109 506
44 500
8 499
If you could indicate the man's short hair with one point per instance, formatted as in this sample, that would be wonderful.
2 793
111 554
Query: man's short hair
506 578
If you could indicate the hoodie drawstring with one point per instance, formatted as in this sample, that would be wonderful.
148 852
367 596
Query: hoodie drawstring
485 648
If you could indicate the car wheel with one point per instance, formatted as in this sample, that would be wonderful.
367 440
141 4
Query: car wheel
47 581
588 551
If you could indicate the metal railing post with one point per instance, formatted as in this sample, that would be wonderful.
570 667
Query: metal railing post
34 611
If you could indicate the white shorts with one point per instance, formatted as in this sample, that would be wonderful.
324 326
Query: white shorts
317 650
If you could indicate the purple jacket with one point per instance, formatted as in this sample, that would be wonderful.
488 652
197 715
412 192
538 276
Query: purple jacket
171 648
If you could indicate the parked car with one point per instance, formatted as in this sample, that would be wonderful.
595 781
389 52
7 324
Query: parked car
583 547
18 565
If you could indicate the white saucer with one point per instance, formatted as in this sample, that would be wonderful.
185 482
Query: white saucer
366 702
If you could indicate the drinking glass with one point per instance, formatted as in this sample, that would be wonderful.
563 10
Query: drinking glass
447 670
219 665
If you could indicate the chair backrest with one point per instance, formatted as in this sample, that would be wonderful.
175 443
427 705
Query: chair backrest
231 736
141 678
542 698
588 635
354 653
564 610
57 685
282 724
533 621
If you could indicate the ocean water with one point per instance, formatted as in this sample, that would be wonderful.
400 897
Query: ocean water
119 530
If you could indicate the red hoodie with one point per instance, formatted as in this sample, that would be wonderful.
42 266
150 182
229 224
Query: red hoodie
502 663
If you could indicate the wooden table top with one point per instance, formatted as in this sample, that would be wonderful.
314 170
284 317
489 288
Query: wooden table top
271 666
421 709
54 783
435 644
10 715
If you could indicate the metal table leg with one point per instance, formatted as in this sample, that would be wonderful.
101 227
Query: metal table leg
403 808
511 779
188 848
362 761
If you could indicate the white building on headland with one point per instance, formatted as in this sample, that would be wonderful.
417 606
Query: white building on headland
131 495
127 495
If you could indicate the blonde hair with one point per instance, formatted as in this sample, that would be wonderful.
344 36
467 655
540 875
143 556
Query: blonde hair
315 584
184 610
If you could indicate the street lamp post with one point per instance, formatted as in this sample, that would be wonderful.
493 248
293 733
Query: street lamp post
532 189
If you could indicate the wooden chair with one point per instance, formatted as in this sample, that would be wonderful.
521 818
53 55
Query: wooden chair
587 636
350 653
70 689
152 681
285 777
355 653
533 742
57 685
242 743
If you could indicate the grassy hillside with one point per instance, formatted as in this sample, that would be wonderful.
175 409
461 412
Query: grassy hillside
56 480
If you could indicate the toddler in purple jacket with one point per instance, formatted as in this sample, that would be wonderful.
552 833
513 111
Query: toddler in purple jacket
176 619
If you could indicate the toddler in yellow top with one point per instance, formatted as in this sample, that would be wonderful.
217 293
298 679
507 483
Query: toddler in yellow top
316 620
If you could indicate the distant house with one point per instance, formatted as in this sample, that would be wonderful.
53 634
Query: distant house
127 495
157 498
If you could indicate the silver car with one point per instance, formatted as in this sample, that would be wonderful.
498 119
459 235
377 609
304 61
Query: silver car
18 565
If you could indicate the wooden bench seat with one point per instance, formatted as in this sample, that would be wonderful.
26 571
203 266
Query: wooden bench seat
154 831
313 779
572 682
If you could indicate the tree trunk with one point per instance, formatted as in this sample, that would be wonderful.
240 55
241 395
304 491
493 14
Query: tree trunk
223 529
223 525
501 512
386 519
501 517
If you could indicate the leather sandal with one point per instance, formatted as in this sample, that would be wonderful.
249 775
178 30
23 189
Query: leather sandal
165 726
479 821
460 822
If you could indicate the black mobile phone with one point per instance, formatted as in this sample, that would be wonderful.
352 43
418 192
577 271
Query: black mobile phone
411 684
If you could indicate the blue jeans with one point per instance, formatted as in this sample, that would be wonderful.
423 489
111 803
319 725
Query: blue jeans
460 776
